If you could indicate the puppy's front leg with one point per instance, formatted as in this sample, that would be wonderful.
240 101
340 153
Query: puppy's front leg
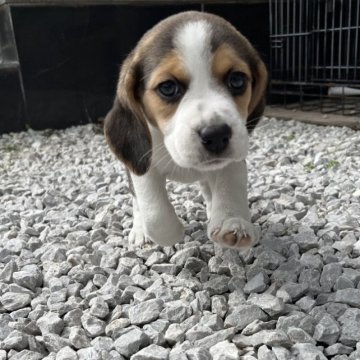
229 222
159 221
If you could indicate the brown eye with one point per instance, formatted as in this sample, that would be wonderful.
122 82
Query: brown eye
170 90
236 82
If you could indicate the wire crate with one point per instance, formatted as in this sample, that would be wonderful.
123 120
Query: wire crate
315 55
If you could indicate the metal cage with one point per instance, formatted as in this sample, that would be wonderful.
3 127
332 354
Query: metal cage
314 55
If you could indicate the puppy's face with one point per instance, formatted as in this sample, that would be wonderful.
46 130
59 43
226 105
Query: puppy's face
197 80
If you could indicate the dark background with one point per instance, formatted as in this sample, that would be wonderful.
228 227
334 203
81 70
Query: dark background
70 58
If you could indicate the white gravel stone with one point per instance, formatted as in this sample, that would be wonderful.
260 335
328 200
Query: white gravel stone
73 318
263 337
183 255
300 320
66 353
307 352
6 274
257 284
89 353
343 282
142 281
29 277
213 321
5 329
348 296
145 312
176 311
131 342
27 355
224 350
177 355
16 340
306 240
92 325
114 355
78 338
258 325
299 336
327 330
248 357
219 336
170 269
337 349
350 330
54 342
13 301
217 285
264 353
116 326
99 307
50 323
268 303
198 354
306 304
281 353
203 300
330 273
156 257
152 352
174 334
197 332
294 290
243 315
102 343
156 337
219 305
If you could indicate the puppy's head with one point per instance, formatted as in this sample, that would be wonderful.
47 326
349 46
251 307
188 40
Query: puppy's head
197 80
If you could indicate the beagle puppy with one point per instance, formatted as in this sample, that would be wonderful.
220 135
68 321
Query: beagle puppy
187 98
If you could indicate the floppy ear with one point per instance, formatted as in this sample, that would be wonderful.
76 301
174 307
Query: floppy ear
257 103
125 126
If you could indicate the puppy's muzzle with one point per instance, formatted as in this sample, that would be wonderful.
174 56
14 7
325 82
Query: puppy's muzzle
215 138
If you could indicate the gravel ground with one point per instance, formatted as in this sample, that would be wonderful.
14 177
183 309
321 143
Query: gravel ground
71 289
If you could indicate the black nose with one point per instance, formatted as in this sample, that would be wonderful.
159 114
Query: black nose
215 138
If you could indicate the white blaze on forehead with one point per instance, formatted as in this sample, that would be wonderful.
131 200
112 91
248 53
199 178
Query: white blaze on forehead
193 43
204 103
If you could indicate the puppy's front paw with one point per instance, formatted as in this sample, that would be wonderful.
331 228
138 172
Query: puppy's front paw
165 233
235 233
137 238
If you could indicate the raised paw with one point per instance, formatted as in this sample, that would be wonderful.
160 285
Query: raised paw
235 233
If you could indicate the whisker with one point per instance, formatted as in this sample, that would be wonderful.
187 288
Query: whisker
253 120
173 169
158 162
168 163
152 150
145 154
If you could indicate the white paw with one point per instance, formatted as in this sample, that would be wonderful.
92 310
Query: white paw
165 233
137 238
235 233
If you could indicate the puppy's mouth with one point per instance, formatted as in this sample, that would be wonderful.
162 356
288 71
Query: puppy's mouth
202 160
214 163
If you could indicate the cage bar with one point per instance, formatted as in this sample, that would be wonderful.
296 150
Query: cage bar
314 54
